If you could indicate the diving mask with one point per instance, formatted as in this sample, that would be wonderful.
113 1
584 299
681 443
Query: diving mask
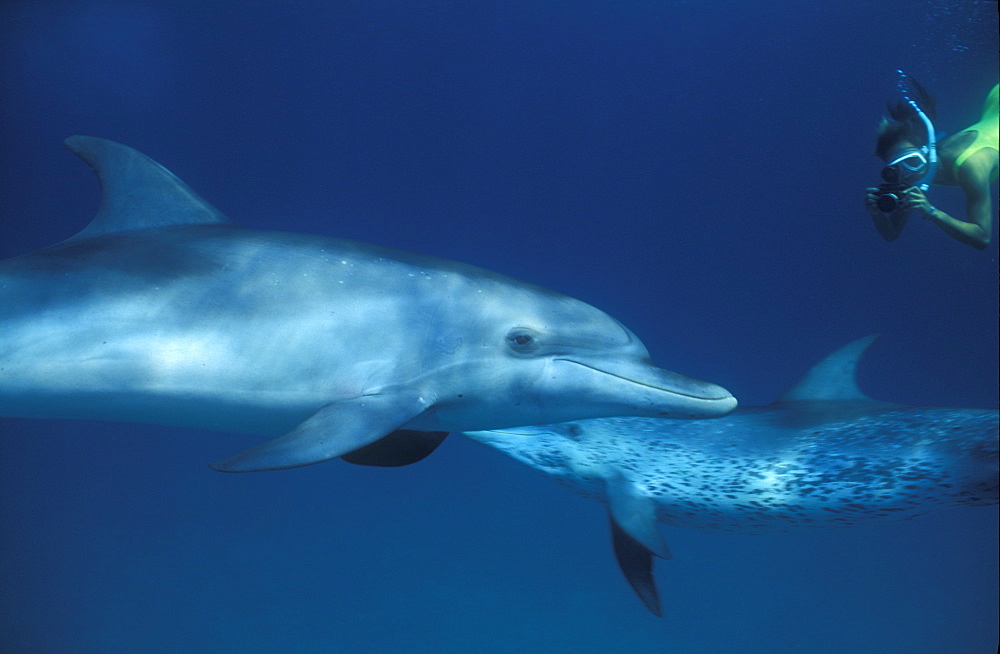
908 168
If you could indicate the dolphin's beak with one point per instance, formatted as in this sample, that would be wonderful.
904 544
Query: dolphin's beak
658 392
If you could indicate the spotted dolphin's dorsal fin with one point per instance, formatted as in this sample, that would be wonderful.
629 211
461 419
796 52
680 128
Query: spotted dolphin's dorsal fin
136 192
833 378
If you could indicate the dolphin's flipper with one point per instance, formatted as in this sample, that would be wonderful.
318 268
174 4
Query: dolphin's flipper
636 563
335 430
635 514
400 448
635 537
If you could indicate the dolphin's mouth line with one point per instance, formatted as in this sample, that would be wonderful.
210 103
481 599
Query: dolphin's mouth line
510 432
641 383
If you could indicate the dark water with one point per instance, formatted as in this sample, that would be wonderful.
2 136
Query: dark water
694 168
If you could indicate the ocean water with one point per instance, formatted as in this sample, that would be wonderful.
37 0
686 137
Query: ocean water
696 169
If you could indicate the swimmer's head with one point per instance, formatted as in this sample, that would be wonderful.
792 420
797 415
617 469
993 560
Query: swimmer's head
908 166
903 123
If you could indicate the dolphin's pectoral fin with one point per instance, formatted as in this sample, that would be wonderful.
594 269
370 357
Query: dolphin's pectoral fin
636 563
635 538
400 448
635 514
336 429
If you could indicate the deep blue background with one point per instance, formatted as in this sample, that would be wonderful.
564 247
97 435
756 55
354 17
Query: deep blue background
696 169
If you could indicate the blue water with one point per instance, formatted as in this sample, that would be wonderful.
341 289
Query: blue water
696 169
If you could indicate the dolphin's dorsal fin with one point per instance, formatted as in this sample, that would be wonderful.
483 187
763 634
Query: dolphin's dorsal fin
833 378
136 192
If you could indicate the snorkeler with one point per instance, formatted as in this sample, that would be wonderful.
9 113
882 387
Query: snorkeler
915 161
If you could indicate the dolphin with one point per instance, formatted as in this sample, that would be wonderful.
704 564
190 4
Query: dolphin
162 311
824 455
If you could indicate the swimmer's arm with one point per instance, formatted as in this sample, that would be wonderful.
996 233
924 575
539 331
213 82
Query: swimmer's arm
974 178
888 225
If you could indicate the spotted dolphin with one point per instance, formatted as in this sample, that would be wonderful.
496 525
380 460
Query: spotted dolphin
824 455
163 311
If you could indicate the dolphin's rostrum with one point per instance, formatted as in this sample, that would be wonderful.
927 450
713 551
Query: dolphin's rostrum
163 311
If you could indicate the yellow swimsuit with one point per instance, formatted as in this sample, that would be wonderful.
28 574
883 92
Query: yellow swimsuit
987 130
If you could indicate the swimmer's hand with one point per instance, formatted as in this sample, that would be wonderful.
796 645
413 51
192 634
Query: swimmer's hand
871 201
915 199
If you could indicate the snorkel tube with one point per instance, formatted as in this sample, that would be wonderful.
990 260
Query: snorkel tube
931 148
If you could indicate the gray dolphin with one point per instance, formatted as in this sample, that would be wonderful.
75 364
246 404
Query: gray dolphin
163 311
824 455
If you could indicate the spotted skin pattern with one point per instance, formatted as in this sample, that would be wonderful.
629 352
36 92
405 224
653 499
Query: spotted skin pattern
824 455
778 467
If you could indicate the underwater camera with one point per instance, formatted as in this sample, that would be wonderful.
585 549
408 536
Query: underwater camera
889 196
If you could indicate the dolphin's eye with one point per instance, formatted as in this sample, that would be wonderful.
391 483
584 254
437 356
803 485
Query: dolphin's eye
522 340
